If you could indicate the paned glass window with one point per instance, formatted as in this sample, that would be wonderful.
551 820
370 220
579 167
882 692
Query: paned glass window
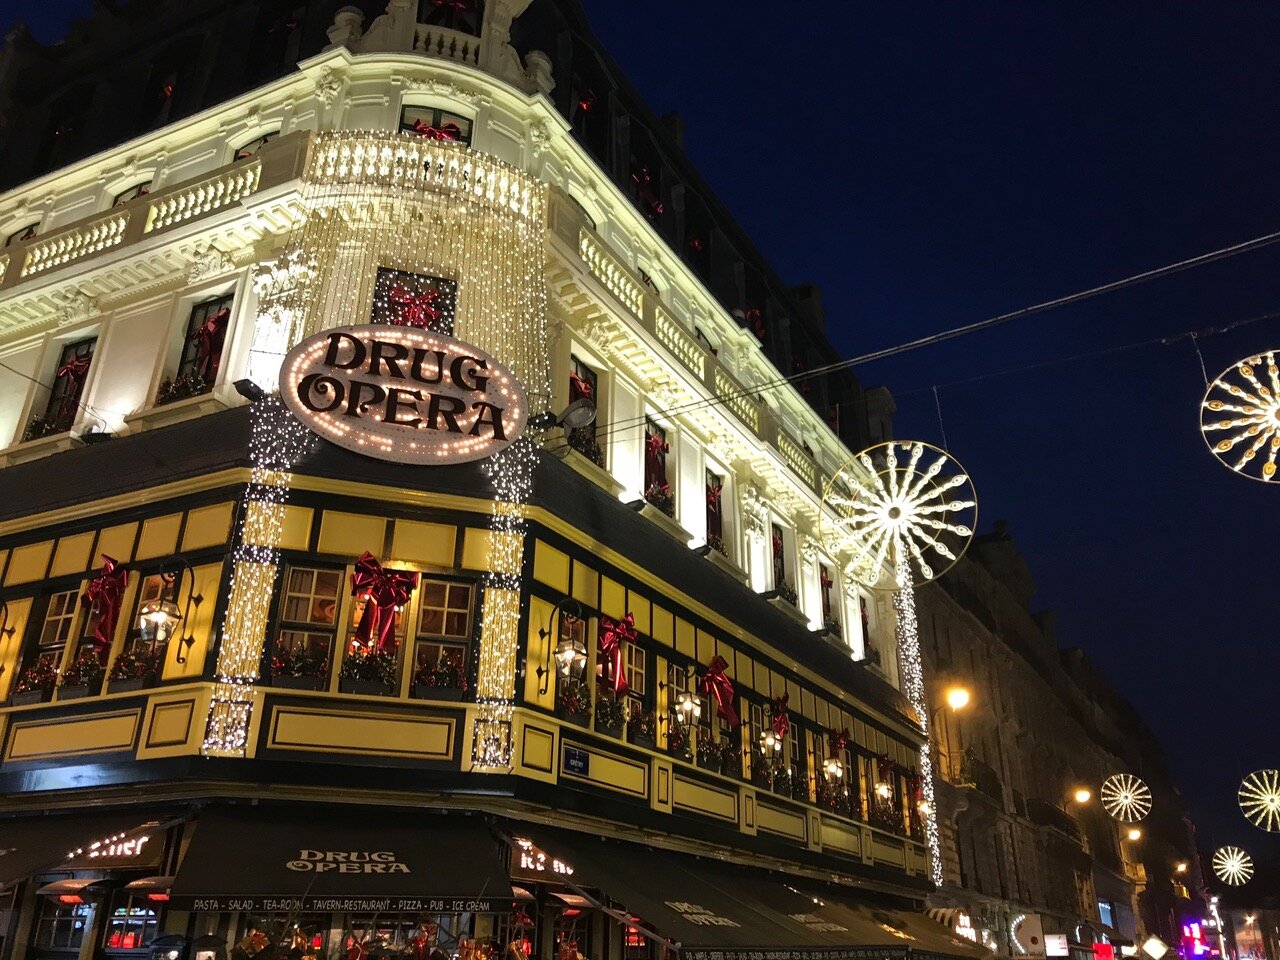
203 342
59 618
406 299
464 16
657 489
61 926
779 554
67 387
433 123
133 193
444 634
251 148
715 511
826 584
308 622
132 922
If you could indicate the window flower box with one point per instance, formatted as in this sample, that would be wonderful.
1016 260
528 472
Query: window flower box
721 560
610 716
28 697
420 691
642 731
175 411
711 754
127 685
368 688
70 692
787 604
83 677
573 702
297 683
133 670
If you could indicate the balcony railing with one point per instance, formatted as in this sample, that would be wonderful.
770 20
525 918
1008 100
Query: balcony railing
1045 814
982 777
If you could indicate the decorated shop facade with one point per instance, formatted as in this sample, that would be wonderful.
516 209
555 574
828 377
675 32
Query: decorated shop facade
401 558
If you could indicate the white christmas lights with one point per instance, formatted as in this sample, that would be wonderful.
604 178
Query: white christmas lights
1241 408
380 200
1125 798
1232 866
912 503
1259 798
902 506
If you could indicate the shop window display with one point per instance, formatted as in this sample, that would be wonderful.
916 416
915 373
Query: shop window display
61 926
131 923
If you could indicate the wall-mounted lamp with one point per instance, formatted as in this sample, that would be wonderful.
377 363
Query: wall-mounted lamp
688 709
6 631
570 652
834 769
576 415
249 390
160 618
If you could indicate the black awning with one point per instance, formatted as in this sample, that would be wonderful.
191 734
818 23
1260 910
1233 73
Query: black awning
277 861
709 907
49 843
920 933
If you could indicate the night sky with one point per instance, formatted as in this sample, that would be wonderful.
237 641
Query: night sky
929 165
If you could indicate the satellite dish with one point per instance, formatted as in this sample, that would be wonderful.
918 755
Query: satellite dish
578 414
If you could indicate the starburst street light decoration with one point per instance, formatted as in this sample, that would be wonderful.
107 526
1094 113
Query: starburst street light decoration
1232 866
1126 798
909 507
1241 409
1260 799
913 512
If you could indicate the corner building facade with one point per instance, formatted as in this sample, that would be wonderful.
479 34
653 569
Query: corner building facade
602 694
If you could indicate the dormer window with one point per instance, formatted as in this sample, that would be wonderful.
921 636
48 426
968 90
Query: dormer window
69 378
133 193
464 16
434 123
251 148
21 236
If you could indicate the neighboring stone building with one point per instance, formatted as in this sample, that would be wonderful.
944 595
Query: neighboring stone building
1042 724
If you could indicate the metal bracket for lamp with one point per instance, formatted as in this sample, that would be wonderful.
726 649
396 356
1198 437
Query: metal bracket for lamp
576 415
570 654
6 631
164 612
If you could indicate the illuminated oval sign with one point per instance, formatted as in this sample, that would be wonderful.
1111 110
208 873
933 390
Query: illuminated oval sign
403 394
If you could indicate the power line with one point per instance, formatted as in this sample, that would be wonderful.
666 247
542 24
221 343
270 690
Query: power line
1080 296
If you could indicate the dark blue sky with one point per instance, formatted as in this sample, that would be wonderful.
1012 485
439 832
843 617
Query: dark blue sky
933 164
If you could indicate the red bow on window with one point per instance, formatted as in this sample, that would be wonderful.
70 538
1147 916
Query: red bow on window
644 188
886 767
446 131
384 591
416 309
837 740
716 685
825 579
656 445
713 495
781 719
102 596
612 635
579 387
208 338
457 6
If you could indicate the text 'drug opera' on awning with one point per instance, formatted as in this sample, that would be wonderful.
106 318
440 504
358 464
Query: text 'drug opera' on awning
718 911
280 860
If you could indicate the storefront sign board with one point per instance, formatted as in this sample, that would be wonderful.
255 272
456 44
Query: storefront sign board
403 394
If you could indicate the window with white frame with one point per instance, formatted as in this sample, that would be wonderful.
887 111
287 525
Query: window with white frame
828 590
780 560
67 387
436 123
204 338
657 485
715 512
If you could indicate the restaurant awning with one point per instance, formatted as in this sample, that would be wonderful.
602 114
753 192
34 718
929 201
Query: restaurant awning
281 860
49 843
708 907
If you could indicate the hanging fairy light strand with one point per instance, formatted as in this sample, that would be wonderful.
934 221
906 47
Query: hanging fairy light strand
462 235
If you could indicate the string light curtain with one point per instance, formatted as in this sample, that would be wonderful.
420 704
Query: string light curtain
398 201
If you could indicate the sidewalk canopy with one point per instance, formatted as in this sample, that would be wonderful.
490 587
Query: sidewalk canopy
719 911
46 843
296 859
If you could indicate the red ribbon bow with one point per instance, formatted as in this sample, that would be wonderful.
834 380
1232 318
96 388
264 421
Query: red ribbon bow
579 387
446 131
457 6
781 719
74 371
102 596
719 687
656 445
825 580
612 635
384 590
837 740
713 495
208 338
416 309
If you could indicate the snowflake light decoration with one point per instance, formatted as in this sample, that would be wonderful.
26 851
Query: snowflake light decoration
911 508
1232 866
1241 409
1260 799
1126 798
